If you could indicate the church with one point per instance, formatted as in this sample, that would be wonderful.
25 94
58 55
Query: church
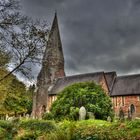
123 90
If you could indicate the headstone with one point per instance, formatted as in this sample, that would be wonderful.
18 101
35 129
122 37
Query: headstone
121 114
109 119
10 118
91 115
82 113
129 114
6 118
27 116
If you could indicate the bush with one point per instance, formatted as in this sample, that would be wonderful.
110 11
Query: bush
133 124
37 125
6 125
48 116
86 94
28 136
70 130
7 130
99 130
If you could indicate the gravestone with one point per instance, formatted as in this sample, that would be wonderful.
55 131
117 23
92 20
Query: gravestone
121 114
109 119
91 115
82 113
27 116
129 114
6 117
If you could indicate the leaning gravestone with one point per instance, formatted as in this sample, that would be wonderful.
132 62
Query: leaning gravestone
82 113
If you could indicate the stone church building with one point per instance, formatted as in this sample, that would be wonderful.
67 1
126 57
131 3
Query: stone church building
124 90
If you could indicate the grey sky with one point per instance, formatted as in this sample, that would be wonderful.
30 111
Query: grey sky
97 35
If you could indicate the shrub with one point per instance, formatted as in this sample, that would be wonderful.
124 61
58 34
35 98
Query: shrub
7 129
6 125
28 136
133 124
37 125
86 94
100 130
48 116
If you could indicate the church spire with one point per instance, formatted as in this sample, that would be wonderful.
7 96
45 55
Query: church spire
52 68
56 52
54 35
55 22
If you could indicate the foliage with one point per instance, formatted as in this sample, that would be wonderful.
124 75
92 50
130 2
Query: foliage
86 94
7 130
5 58
48 116
35 128
14 98
36 125
113 131
22 39
27 136
70 130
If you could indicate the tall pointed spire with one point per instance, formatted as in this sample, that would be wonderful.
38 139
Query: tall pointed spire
55 22
56 51
54 36
52 68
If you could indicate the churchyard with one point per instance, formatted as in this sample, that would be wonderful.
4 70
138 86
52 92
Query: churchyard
28 129
68 122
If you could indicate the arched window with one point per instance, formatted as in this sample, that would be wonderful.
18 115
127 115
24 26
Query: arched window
132 109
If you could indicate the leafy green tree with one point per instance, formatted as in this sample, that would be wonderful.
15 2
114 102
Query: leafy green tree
14 97
5 58
29 96
86 94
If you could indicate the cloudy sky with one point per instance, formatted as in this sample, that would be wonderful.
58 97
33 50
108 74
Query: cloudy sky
97 35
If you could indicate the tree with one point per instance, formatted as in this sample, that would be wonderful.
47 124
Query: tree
86 94
14 97
5 58
22 39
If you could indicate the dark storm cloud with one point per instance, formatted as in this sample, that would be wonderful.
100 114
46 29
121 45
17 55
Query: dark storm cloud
96 34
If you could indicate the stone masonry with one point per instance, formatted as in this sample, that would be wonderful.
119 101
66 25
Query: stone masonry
52 68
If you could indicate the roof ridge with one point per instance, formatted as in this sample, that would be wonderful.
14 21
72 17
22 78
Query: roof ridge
110 72
129 75
82 74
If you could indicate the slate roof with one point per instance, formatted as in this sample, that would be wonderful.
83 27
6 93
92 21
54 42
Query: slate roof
110 77
126 85
63 82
